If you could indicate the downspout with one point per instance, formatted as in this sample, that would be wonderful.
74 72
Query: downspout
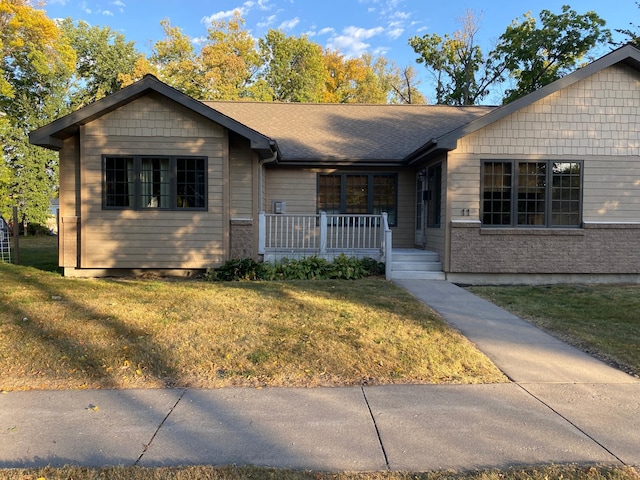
261 163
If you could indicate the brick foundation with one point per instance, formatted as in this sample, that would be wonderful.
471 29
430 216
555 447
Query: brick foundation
241 240
593 249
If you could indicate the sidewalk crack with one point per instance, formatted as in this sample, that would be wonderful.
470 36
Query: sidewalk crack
375 424
147 445
590 437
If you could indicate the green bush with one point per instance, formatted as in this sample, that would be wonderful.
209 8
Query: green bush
310 268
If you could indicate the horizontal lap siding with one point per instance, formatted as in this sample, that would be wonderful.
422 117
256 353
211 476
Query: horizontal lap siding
298 188
594 121
152 125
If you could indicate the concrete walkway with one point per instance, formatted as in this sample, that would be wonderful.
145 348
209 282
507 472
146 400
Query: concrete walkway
562 406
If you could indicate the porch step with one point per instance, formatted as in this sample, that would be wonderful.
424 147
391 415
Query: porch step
416 265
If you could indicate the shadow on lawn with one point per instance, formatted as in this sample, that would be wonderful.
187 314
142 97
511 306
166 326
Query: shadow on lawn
79 354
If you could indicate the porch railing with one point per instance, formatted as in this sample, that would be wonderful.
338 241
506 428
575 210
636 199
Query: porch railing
325 235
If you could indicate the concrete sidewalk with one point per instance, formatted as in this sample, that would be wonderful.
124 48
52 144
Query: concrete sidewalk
563 406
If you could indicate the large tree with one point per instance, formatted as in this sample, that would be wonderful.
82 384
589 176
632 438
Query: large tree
528 54
537 54
36 67
293 67
229 59
103 56
456 62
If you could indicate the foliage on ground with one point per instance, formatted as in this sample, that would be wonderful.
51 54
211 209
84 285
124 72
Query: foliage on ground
65 333
599 319
310 268
566 472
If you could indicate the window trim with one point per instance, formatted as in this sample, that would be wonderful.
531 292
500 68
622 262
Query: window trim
137 182
370 195
513 213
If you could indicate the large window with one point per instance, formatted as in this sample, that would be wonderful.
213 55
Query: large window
172 183
347 193
529 194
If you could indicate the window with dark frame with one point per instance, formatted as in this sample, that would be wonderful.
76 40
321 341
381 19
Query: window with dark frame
158 182
358 194
531 194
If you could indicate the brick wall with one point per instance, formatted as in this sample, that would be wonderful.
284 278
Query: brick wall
594 249
241 238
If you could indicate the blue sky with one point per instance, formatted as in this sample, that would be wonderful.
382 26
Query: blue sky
380 27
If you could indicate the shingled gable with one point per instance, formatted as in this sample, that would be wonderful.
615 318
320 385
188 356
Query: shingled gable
51 135
627 54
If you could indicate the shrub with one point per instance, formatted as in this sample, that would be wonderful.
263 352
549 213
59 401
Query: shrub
310 268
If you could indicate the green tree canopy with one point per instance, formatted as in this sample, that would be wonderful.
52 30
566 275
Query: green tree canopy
103 56
537 54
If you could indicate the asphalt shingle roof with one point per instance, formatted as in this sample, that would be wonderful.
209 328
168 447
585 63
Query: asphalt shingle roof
349 132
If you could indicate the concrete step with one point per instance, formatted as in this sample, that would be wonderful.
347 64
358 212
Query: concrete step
412 275
416 265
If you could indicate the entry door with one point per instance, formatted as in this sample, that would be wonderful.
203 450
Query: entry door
421 186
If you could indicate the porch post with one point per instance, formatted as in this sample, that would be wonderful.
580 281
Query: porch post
323 232
262 233
387 241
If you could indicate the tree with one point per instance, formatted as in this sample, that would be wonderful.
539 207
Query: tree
457 63
37 65
229 59
293 67
535 56
176 62
632 33
404 86
103 56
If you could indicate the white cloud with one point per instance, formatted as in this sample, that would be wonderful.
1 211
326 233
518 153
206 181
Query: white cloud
289 24
242 10
84 8
59 2
351 42
107 13
268 21
327 31
395 33
118 3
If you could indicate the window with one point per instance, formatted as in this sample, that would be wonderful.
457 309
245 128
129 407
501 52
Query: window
358 194
172 183
530 194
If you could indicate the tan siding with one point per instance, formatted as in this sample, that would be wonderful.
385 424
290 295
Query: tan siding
241 180
594 120
69 174
152 125
297 187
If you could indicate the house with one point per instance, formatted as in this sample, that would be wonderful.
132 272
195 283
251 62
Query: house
544 189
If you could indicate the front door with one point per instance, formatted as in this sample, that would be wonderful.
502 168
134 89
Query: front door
421 186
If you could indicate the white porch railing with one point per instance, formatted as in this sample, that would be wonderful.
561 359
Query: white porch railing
324 235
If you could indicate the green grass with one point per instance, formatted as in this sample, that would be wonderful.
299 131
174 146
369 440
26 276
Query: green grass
64 333
603 320
40 252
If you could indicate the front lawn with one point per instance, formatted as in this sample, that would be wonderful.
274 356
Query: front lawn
603 320
63 333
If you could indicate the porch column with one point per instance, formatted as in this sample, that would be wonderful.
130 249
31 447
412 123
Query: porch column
262 233
323 232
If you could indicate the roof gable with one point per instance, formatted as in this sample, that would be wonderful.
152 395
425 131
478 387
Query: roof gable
627 54
52 135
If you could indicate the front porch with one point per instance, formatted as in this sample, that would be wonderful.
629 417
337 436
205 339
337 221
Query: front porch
327 236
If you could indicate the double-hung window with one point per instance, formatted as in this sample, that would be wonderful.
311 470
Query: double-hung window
531 193
358 194
154 182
